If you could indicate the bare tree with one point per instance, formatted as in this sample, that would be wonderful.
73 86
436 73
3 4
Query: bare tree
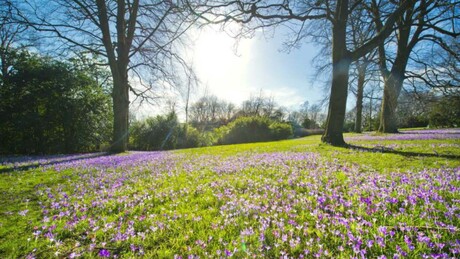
259 105
424 23
359 31
138 39
191 82
210 112
264 14
11 33
438 71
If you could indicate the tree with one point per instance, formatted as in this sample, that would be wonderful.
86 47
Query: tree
210 112
263 14
361 29
437 70
446 112
259 105
51 107
414 108
135 38
10 34
424 23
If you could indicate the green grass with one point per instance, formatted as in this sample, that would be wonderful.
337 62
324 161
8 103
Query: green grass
410 155
188 195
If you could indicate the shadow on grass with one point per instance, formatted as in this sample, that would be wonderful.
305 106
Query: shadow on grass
28 163
402 153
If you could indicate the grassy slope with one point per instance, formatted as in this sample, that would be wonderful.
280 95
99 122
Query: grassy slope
17 189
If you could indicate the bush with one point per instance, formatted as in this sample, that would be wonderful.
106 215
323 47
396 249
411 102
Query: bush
163 133
48 106
309 124
280 130
190 137
414 122
155 133
348 126
446 113
302 132
252 129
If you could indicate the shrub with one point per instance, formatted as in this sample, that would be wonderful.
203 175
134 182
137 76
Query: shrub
281 130
348 126
48 106
155 133
446 113
165 132
302 132
190 137
252 129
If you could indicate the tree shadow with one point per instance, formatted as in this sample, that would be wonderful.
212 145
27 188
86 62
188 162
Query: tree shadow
27 163
387 150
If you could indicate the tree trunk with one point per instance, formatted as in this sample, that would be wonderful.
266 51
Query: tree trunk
337 104
388 120
339 89
394 79
120 97
359 98
391 90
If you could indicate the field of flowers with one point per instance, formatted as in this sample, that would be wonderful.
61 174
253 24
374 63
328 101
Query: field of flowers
288 199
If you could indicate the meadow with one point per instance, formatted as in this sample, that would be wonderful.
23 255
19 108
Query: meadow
384 196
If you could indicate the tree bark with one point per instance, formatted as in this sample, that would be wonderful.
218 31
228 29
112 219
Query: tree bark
359 97
119 66
407 38
340 66
393 82
391 91
120 97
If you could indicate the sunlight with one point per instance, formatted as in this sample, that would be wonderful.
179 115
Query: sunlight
221 64
215 54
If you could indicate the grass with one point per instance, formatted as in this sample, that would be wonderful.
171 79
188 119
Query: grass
382 197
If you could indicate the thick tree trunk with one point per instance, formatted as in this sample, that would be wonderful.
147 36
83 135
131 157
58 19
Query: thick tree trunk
337 104
388 120
394 79
339 89
120 97
359 98
391 90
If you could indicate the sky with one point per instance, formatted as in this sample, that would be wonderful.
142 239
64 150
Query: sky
257 65
234 73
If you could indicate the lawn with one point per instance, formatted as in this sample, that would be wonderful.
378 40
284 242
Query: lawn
385 196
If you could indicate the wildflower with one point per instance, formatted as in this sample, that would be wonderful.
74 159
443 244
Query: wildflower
104 253
383 230
23 212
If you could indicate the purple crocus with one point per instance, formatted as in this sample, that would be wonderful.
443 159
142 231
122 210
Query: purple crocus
104 253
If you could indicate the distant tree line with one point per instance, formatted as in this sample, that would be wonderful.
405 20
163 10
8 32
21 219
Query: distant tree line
215 121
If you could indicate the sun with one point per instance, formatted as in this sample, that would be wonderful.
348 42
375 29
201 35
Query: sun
217 58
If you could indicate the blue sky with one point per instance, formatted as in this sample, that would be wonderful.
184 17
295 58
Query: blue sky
257 65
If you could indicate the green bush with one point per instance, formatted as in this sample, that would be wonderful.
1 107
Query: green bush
164 133
155 133
446 113
348 126
252 129
190 137
48 106
280 130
